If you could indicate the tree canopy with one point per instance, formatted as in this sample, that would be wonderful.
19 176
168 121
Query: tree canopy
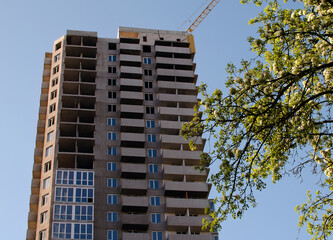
277 116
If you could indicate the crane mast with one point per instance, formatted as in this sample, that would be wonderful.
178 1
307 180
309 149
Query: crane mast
202 16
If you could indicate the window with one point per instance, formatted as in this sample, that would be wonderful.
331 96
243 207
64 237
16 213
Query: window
148 84
58 46
112 217
148 96
112 235
153 184
63 194
83 231
112 199
148 72
112 136
146 48
49 136
53 94
150 123
112 151
52 108
54 82
112 46
45 199
151 137
46 182
43 217
112 108
65 177
112 82
153 168
47 166
150 110
62 230
62 212
55 69
111 122
156 218
84 213
84 195
50 122
157 235
147 60
56 57
216 237
42 235
152 152
112 58
144 38
112 69
112 95
48 151
112 182
84 178
111 166
155 201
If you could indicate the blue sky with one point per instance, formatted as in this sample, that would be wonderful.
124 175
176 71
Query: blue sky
28 29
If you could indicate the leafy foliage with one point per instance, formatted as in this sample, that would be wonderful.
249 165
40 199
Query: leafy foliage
278 104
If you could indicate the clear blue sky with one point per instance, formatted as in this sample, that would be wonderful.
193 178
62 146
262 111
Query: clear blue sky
28 29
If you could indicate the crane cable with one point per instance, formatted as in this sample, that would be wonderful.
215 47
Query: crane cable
192 14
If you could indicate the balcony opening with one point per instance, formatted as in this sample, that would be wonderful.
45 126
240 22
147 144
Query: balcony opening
130 40
58 46
73 40
89 41
84 162
131 159
66 161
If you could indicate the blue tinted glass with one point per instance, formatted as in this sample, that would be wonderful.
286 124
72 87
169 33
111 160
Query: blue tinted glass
59 173
78 178
157 201
71 177
114 122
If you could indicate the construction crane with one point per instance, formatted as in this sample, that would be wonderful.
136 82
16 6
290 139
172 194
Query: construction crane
202 16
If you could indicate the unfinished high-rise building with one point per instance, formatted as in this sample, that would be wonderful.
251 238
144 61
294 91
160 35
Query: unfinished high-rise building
109 161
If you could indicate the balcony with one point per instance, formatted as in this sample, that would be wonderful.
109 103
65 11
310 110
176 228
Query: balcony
206 236
134 204
131 98
174 142
132 170
34 202
132 125
132 85
32 220
130 48
174 72
172 172
187 189
196 206
135 236
135 187
130 72
130 60
131 111
174 61
36 170
176 85
176 157
169 49
175 223
133 155
167 113
137 222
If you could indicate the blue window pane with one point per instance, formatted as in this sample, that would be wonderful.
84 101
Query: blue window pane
78 178
59 176
157 201
158 218
71 177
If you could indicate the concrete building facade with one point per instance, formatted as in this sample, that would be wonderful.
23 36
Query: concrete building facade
109 161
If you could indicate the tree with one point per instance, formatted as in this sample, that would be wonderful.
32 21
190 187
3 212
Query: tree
277 117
